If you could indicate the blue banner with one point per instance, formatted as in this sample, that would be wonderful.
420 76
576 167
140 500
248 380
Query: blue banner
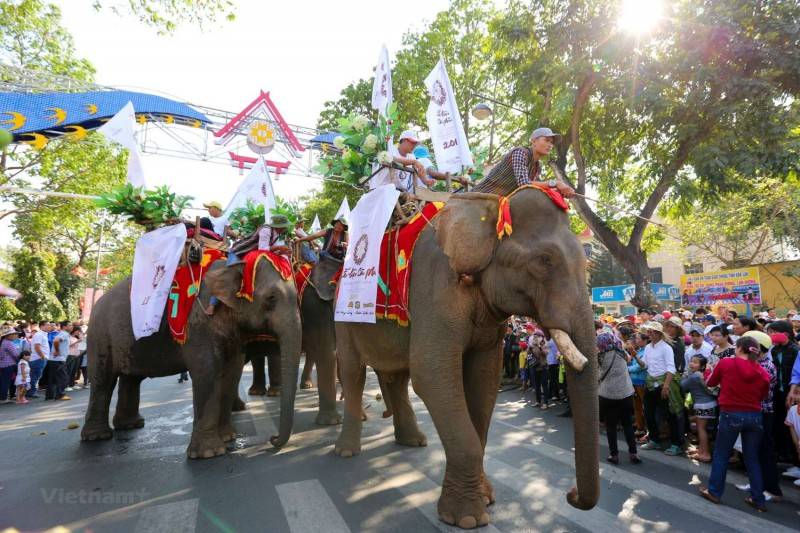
623 293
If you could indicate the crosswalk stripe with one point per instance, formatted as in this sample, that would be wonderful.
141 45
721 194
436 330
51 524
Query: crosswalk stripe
675 497
174 517
308 507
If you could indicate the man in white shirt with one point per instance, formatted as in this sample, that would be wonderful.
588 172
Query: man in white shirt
402 154
699 346
57 367
215 215
39 356
660 364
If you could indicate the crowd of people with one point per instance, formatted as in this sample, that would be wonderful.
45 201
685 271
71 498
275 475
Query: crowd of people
46 357
717 387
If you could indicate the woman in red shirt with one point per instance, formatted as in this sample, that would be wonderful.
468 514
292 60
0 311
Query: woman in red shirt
743 384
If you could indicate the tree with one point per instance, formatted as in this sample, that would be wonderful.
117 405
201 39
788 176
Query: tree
70 285
34 278
9 311
166 15
671 117
743 227
326 202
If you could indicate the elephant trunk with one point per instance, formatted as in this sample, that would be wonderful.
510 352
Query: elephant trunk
289 339
583 401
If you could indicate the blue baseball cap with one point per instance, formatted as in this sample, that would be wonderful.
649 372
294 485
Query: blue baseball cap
421 151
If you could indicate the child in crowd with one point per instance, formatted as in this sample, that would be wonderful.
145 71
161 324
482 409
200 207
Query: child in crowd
705 404
23 380
524 378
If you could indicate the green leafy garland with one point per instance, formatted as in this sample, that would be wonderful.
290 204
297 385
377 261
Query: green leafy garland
149 208
246 219
360 144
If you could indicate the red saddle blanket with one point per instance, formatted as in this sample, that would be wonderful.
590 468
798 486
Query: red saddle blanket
397 250
251 261
301 278
185 287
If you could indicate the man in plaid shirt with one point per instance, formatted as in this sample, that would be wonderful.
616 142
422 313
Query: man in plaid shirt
522 166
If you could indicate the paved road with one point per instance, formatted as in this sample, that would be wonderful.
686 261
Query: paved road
141 481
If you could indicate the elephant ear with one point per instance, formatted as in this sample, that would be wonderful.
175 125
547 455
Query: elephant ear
321 276
225 281
465 230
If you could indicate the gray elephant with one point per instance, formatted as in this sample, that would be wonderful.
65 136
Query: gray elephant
212 354
465 283
319 343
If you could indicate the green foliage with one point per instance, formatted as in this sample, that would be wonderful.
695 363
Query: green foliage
70 286
245 220
9 311
361 144
149 208
325 203
166 15
31 37
35 279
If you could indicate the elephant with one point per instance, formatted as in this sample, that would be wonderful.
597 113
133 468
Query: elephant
264 354
465 283
319 342
212 354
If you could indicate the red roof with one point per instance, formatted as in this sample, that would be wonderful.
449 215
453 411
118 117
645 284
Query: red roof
264 102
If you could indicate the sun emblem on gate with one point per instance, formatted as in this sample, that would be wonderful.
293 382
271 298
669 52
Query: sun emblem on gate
438 94
360 251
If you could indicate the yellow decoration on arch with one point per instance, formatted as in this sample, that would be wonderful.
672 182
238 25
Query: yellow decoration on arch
59 115
16 121
91 109
38 142
141 119
78 133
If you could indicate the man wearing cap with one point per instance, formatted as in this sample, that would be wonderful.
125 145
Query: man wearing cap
402 154
522 166
422 155
215 216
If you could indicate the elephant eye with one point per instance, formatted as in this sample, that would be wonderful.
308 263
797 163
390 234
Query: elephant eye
546 260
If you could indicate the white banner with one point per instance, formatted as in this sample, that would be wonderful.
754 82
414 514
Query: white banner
315 227
344 210
154 264
444 122
358 285
256 187
382 86
120 129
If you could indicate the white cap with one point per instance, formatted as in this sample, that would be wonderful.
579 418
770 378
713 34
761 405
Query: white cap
410 135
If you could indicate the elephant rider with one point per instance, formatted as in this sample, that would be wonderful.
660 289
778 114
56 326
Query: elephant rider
270 236
422 155
401 154
216 218
522 165
334 242
307 248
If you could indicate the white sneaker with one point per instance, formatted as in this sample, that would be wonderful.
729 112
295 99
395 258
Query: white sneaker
797 482
793 472
68 389
77 387
743 488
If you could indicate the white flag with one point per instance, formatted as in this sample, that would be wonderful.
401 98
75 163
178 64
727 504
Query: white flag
444 123
315 227
256 187
120 129
382 86
154 263
358 286
344 210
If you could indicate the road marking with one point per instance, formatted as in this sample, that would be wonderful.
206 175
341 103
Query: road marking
308 507
675 497
175 517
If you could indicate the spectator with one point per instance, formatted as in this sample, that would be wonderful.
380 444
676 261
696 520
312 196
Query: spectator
743 324
636 368
674 329
722 346
795 320
743 385
616 395
509 339
59 378
9 355
784 356
793 423
704 405
537 351
524 376
698 346
39 356
23 379
645 315
663 398
552 370
74 358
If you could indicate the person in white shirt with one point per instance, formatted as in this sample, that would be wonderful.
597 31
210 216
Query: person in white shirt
402 154
422 155
39 356
699 346
217 218
659 362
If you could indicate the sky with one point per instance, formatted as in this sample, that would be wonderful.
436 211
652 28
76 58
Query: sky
303 53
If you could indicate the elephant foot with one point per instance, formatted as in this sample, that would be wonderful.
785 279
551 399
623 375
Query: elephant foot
227 433
328 419
410 438
488 490
387 414
257 390
343 448
462 510
274 391
205 447
307 384
134 422
239 405
96 432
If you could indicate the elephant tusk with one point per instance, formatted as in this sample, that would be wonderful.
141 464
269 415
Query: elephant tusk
565 345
